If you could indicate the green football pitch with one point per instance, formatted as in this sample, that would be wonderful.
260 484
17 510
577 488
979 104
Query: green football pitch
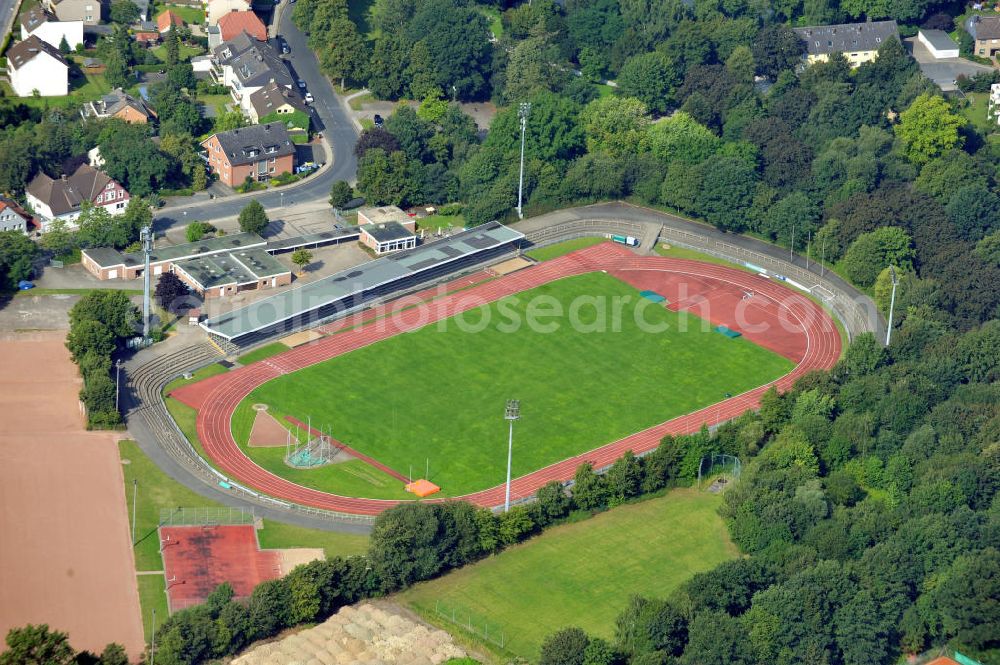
581 574
436 396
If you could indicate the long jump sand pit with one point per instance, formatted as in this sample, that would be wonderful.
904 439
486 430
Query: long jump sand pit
65 556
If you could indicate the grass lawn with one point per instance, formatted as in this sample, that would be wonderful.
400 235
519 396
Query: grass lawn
82 88
265 351
190 15
604 90
367 123
215 101
203 373
357 102
583 574
438 392
152 595
186 52
156 490
561 248
276 535
433 222
492 15
975 112
676 252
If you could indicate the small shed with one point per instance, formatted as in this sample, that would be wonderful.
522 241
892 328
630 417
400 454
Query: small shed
938 43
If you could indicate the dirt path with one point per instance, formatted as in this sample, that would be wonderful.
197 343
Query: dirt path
65 556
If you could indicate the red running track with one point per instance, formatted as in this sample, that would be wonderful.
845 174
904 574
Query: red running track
221 395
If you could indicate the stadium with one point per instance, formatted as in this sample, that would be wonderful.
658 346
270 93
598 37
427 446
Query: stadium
409 363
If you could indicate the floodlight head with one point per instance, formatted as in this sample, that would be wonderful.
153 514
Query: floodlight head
524 108
513 410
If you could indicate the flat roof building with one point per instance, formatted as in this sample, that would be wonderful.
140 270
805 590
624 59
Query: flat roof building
387 237
356 288
108 263
219 275
939 43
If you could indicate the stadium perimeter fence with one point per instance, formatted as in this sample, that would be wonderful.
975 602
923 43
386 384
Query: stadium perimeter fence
854 317
206 516
478 626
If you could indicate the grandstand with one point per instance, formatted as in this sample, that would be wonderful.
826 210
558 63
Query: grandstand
354 289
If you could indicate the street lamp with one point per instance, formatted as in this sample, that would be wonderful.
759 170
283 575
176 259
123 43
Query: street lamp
522 112
282 199
511 413
892 304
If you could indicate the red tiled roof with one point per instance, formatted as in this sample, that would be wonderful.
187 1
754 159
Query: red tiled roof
167 20
233 23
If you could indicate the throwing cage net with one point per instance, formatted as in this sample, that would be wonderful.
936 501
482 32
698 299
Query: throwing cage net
719 470
317 452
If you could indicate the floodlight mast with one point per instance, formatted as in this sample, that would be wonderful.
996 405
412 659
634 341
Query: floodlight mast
522 112
892 304
511 413
146 237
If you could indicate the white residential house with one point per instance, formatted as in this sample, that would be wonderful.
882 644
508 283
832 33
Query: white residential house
245 65
49 29
13 217
63 198
35 65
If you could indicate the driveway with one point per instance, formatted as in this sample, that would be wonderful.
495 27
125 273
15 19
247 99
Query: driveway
942 71
329 116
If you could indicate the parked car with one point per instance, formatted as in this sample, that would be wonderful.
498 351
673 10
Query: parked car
378 120
309 98
302 84
284 48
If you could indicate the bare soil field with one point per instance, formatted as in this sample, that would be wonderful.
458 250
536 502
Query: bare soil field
65 556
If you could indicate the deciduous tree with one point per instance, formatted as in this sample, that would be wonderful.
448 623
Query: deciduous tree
252 218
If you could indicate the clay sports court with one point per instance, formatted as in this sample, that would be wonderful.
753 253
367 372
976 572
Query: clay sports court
65 555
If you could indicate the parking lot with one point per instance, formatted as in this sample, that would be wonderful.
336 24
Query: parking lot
944 71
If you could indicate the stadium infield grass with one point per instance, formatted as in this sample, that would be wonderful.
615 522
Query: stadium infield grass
437 394
582 574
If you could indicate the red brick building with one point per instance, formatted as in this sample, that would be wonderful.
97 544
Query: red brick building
258 152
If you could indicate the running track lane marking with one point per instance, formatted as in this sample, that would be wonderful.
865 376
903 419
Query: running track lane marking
214 419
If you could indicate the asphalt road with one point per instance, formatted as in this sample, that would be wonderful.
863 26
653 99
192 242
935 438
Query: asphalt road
330 118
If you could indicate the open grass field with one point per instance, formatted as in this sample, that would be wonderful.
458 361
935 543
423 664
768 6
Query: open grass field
263 352
276 535
560 248
152 596
438 393
583 574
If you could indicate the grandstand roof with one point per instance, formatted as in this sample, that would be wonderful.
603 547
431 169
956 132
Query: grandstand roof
308 297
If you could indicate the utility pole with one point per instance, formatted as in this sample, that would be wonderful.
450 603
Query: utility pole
822 261
135 493
791 249
152 641
146 237
118 372
522 112
511 413
809 239
892 305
